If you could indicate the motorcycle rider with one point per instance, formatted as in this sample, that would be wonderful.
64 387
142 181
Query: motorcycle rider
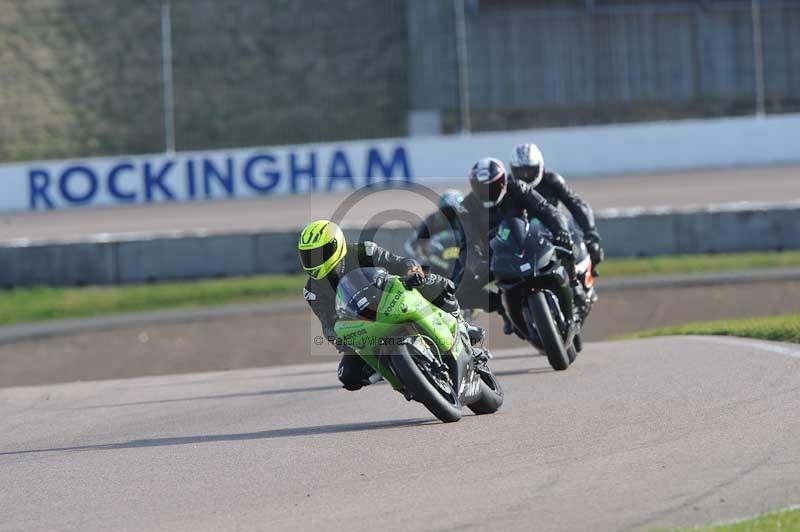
444 219
326 258
527 164
495 196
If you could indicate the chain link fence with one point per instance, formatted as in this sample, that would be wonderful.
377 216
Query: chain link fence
105 77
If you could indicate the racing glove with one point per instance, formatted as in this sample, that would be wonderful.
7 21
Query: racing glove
415 277
563 240
592 240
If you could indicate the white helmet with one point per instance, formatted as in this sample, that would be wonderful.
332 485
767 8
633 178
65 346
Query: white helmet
527 163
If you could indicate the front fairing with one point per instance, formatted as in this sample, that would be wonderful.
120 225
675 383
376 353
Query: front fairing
403 306
521 250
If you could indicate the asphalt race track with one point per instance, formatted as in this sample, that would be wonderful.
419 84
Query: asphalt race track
636 435
777 183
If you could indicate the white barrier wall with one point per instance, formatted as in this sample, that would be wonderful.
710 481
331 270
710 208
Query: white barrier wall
222 174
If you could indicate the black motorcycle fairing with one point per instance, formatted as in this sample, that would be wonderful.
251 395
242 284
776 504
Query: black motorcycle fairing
525 261
511 296
521 250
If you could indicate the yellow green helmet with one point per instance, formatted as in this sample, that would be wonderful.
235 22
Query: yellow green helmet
322 247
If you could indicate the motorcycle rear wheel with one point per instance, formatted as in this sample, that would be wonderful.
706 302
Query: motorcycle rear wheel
491 398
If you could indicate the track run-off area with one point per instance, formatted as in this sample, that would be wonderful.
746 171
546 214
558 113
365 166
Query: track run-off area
635 435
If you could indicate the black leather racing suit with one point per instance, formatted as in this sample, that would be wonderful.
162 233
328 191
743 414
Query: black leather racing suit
321 297
480 223
556 191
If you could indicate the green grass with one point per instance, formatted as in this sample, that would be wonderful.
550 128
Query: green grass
44 303
784 521
699 263
777 328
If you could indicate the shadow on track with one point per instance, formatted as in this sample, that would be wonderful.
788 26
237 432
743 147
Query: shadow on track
262 435
280 391
303 373
532 354
529 371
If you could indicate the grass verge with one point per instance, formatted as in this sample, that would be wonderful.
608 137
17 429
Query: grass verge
47 303
777 328
784 520
722 262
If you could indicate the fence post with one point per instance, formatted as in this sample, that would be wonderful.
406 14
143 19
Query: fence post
462 59
166 77
758 57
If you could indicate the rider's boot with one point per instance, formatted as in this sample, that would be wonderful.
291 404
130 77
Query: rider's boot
482 356
568 305
476 334
354 373
581 301
496 305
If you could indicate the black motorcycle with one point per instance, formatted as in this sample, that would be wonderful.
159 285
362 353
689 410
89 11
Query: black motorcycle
530 271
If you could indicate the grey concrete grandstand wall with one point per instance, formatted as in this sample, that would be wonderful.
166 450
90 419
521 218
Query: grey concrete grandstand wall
632 232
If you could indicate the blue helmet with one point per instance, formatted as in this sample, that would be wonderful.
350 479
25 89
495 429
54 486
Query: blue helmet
451 199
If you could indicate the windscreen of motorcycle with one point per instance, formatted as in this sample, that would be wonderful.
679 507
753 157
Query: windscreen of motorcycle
359 294
519 249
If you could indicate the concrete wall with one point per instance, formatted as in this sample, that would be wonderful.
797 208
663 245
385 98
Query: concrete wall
631 232
319 168
732 228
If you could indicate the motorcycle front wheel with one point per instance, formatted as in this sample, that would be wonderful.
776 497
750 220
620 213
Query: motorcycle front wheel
431 390
549 334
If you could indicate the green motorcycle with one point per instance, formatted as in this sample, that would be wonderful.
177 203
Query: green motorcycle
419 349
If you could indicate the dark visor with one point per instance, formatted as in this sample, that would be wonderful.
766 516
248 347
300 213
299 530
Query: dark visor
490 191
314 258
526 173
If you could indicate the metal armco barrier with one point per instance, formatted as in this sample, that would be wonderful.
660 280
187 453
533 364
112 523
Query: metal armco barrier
176 256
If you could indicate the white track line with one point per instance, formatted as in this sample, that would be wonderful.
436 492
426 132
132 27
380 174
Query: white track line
755 344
